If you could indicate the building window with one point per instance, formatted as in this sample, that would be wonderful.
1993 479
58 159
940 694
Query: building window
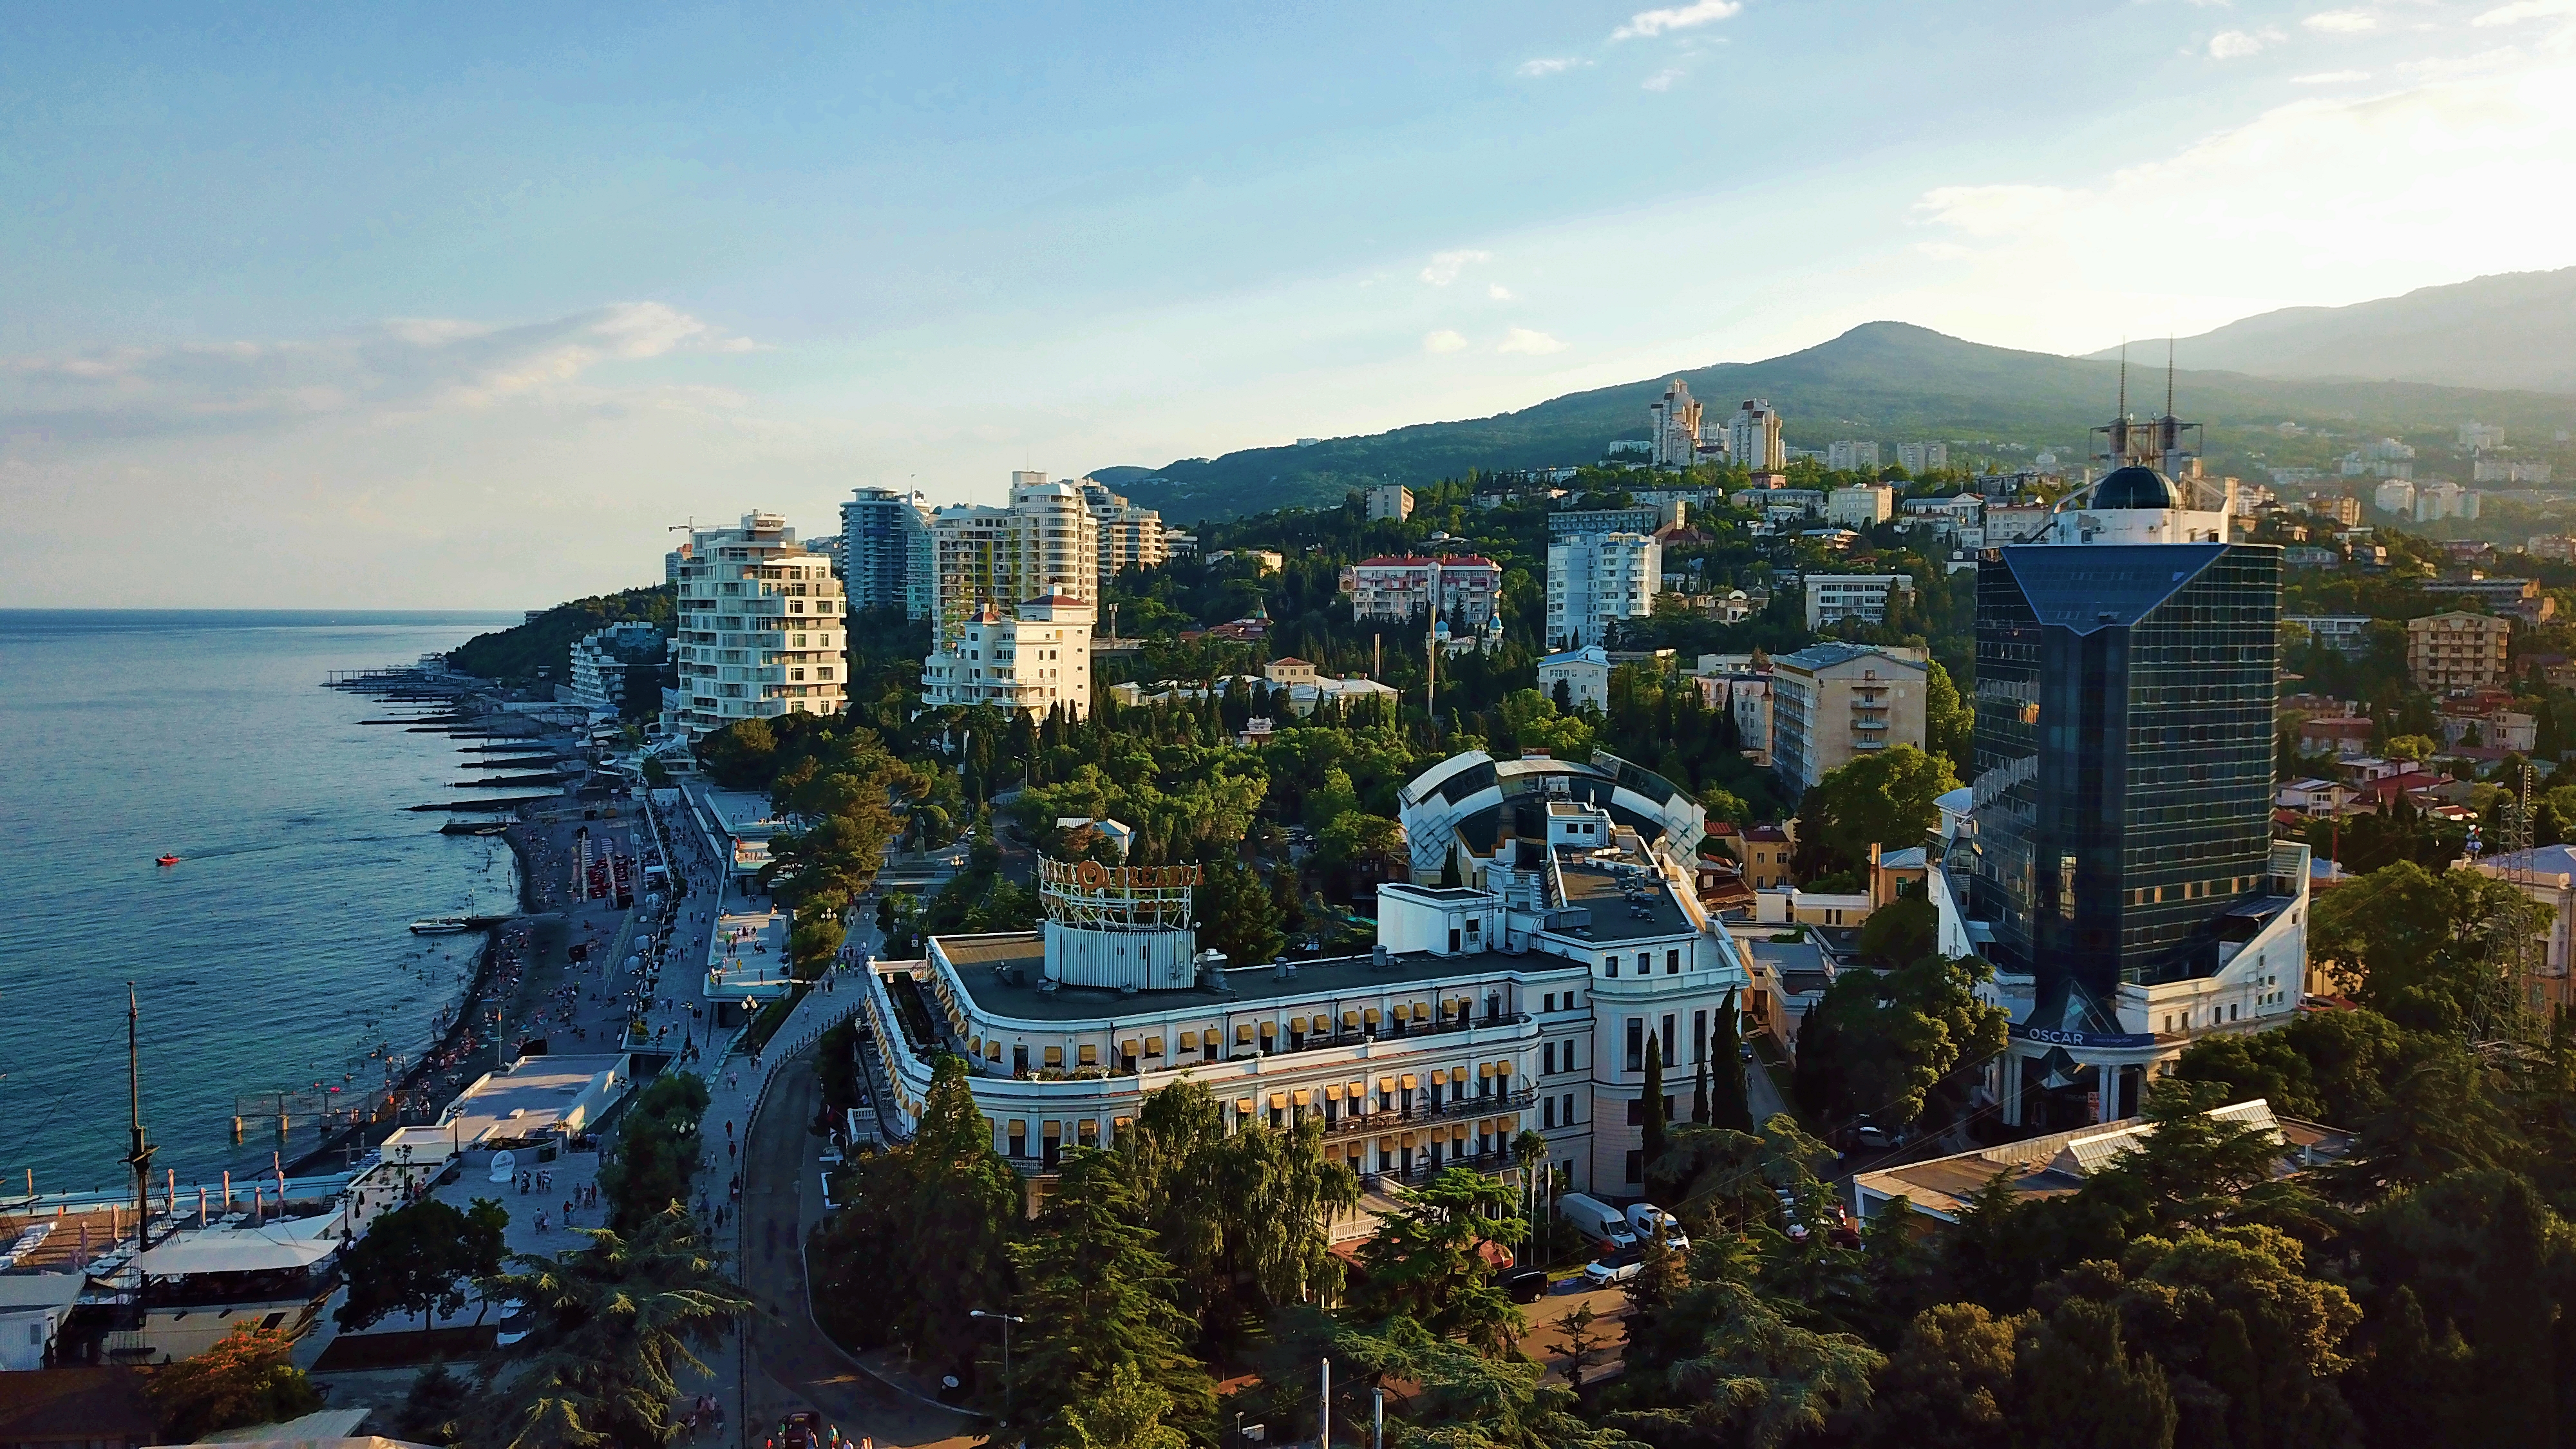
1610 965
1672 963
1636 1043
1547 1057
1547 1113
1699 1035
1636 1165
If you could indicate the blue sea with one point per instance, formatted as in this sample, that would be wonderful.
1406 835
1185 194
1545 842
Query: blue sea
275 956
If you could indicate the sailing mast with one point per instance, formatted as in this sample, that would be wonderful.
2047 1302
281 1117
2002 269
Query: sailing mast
140 1157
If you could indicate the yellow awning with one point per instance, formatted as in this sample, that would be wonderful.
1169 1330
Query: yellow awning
1243 1105
1406 1140
1511 1123
1458 1074
1278 1101
1130 1047
1387 1084
1410 1081
1302 1097
1332 1091
1052 1129
1458 1133
1484 1069
1153 1046
1350 1018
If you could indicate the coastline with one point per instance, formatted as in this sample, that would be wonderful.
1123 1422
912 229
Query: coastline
416 1097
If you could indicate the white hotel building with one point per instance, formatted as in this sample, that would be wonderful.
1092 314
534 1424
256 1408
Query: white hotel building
1037 659
759 628
1520 1001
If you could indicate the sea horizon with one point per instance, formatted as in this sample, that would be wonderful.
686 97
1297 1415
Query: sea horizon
275 955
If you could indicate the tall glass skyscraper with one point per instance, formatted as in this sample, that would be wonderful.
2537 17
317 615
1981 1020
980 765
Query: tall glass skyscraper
2124 752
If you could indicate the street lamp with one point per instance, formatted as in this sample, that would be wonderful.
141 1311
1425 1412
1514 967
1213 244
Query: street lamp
1007 1321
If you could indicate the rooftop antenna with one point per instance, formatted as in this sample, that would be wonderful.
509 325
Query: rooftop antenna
2169 374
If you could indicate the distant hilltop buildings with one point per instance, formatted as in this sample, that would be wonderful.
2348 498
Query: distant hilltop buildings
1680 433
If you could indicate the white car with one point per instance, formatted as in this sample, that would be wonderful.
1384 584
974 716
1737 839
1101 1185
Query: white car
1617 1268
1796 1228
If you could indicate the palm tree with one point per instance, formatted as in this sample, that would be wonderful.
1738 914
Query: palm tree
616 1324
1529 1150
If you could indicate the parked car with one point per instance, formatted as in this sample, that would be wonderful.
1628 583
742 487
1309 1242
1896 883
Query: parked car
1869 1134
1525 1285
1791 1223
1617 1268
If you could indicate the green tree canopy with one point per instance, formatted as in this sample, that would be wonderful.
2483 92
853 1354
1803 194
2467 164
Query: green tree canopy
1424 1263
947 1205
618 1324
1882 799
421 1258
247 1377
1099 1299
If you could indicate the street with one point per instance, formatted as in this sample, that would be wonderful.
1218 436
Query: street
793 1365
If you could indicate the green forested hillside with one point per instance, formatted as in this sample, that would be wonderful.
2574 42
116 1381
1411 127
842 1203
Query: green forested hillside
516 653
1885 380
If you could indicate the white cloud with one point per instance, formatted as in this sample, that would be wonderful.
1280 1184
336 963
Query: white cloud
1534 344
2237 44
2329 77
1996 211
405 366
1550 65
1662 80
1499 292
2521 10
2368 168
2341 22
1445 266
1646 24
1443 340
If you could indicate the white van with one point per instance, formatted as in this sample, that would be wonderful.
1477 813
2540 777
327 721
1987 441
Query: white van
1649 1221
1596 1220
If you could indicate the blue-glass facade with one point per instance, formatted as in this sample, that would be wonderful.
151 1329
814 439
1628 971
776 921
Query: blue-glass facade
2124 755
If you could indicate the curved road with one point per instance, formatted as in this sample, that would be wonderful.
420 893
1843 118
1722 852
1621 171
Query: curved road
792 1364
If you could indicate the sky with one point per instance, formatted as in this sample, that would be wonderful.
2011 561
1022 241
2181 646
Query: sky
393 307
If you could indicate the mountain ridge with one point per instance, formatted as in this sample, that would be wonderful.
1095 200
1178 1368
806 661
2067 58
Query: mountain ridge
2505 330
1887 381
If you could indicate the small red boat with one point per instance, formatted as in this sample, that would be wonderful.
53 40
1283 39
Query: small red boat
166 860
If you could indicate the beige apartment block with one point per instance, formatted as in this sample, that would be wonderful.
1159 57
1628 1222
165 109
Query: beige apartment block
2448 653
1833 703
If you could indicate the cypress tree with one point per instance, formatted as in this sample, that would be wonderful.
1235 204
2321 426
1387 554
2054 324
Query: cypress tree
1699 1090
1727 1104
1653 1112
2516 1400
